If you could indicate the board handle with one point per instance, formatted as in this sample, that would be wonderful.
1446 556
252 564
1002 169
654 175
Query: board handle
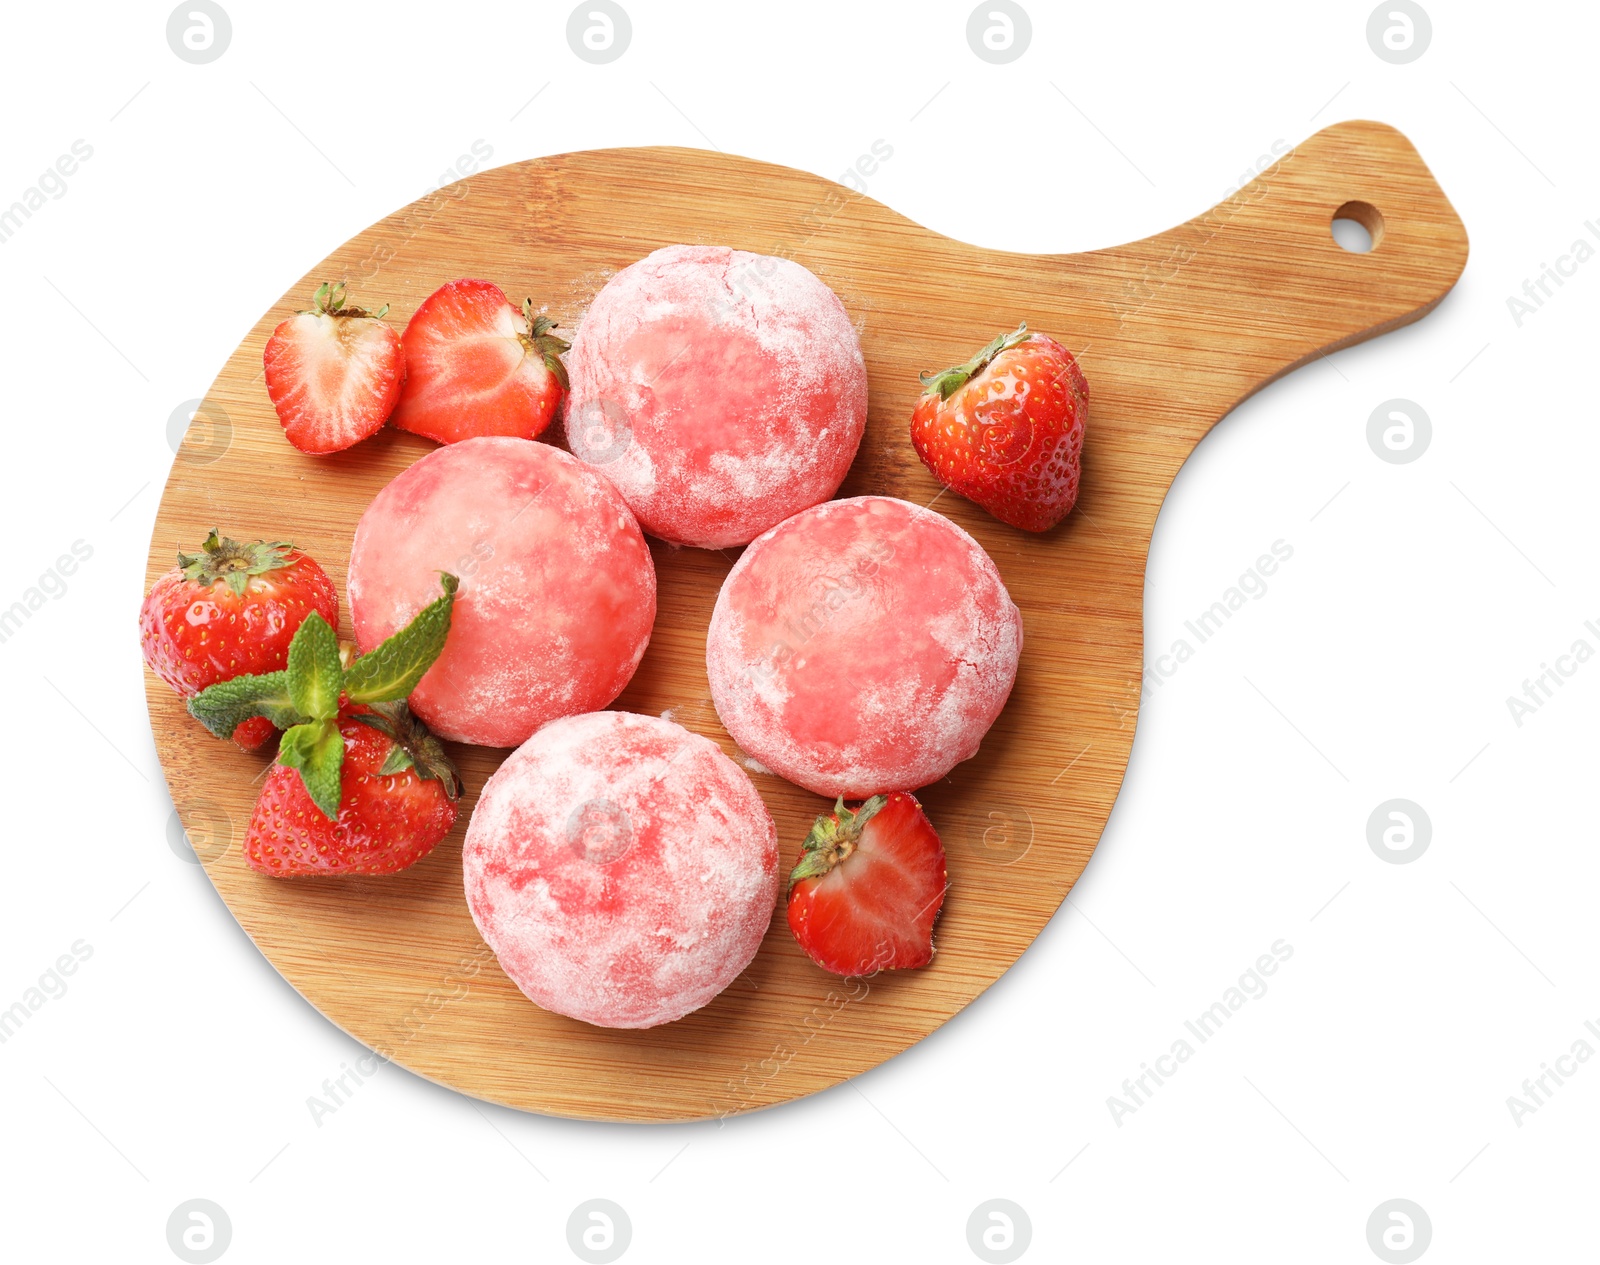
1273 287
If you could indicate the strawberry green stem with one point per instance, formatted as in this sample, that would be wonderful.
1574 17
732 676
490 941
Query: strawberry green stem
329 301
951 380
222 560
415 746
833 838
539 341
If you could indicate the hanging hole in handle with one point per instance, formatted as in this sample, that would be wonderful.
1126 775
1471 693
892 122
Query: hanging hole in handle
1358 227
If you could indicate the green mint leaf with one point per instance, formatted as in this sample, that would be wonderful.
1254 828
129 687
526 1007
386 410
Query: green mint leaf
315 677
222 707
391 671
316 749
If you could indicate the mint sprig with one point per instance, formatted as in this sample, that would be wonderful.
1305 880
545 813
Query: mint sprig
317 750
226 705
304 700
391 671
314 676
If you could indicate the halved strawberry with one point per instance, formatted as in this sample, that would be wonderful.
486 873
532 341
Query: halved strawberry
333 372
868 887
475 366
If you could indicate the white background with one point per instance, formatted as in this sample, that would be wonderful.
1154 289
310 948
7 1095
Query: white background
1377 665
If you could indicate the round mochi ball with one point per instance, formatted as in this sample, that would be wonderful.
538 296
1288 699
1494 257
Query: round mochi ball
721 392
863 647
623 869
557 596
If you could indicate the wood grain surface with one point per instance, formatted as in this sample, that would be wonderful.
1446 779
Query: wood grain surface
1172 332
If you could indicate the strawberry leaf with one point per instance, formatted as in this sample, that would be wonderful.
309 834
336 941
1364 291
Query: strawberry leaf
833 837
397 761
810 866
542 343
415 748
948 381
314 675
222 707
391 671
225 561
316 749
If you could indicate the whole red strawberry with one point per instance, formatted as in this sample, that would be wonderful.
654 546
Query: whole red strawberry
397 793
333 372
231 610
360 785
868 886
475 365
1006 429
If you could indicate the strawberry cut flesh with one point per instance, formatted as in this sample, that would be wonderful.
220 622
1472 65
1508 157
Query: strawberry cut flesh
470 370
875 908
334 379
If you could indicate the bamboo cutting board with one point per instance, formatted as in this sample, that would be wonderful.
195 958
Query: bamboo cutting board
1172 332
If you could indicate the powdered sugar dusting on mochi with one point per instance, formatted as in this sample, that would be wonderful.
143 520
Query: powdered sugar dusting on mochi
623 869
862 647
557 593
719 390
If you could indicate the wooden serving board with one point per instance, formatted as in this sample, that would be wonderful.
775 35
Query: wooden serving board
1172 331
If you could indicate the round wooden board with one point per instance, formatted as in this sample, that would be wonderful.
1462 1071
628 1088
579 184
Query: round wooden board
1172 331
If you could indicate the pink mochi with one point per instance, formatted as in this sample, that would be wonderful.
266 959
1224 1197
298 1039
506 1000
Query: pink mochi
623 869
720 391
557 597
863 647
